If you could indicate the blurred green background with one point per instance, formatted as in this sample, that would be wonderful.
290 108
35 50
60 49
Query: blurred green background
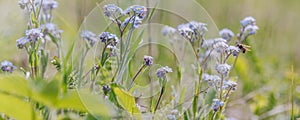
265 90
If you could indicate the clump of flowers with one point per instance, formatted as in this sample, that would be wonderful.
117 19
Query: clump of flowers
7 66
216 51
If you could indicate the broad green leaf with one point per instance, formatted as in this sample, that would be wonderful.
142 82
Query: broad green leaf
16 107
127 101
14 84
84 101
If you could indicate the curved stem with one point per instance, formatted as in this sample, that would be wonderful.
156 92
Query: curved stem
135 76
159 99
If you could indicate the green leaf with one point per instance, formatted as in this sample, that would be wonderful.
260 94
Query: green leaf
16 85
16 108
127 101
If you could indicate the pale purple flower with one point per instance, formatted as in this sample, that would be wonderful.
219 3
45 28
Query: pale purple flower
217 103
139 11
89 36
23 3
161 72
34 34
50 28
7 66
226 34
192 30
148 60
233 50
251 29
21 43
167 30
220 45
49 5
223 69
107 37
112 11
229 84
248 21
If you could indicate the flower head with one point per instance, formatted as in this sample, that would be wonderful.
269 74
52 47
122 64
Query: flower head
233 50
23 3
223 69
34 34
220 45
106 89
49 5
192 30
161 72
107 37
21 43
251 29
50 28
139 11
89 36
7 66
226 34
168 31
148 60
248 21
217 103
229 84
112 11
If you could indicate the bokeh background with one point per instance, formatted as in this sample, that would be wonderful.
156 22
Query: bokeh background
265 90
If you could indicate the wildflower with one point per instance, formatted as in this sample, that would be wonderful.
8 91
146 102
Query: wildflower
211 79
107 37
7 66
167 30
148 60
229 84
233 50
171 117
136 22
106 89
226 34
223 69
34 34
21 43
220 45
139 11
89 36
206 44
248 21
50 28
251 29
112 11
49 5
217 104
161 72
192 30
113 50
23 3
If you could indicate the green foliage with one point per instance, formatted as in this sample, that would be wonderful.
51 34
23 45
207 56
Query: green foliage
22 93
